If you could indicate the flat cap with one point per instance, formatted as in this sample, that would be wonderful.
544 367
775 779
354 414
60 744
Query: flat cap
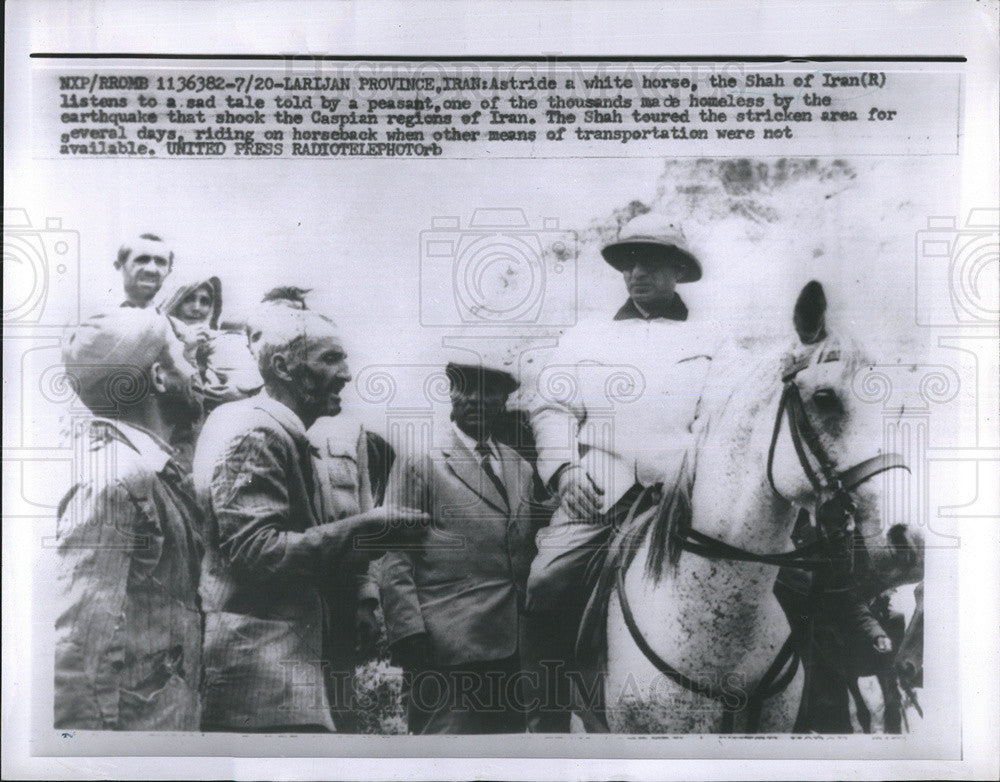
466 367
107 357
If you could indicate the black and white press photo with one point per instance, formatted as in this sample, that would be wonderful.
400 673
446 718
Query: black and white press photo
394 403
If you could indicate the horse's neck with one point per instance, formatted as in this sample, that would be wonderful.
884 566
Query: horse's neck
732 499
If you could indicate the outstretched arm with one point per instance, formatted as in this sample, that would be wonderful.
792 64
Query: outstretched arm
408 485
251 505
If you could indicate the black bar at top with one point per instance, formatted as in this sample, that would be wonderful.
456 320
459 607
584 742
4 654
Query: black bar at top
494 58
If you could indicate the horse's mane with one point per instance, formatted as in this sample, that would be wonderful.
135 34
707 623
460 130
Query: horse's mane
732 373
673 515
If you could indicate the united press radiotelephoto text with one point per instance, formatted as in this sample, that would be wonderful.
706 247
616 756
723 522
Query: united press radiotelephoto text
451 110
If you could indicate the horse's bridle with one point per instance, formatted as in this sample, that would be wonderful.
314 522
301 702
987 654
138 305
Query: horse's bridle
828 481
832 487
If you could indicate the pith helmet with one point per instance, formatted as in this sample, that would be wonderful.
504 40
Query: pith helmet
653 236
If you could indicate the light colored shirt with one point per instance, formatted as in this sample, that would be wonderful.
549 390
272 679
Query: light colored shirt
473 446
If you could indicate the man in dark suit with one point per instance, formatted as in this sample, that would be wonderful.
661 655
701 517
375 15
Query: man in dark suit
452 604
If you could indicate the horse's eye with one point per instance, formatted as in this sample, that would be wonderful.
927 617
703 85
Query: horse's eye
826 400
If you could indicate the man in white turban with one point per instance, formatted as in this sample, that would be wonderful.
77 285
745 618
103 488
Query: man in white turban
275 553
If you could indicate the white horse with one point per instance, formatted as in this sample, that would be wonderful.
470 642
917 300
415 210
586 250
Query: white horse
700 644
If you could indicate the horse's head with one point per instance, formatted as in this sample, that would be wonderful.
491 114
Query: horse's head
831 443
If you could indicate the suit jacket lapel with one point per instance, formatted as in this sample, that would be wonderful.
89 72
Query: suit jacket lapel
464 464
511 476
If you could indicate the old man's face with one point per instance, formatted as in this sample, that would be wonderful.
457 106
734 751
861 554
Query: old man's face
320 372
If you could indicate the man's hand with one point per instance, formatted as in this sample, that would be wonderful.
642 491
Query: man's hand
412 653
216 394
366 628
578 494
393 526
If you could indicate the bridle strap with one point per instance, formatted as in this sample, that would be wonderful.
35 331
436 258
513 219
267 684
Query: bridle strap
869 468
775 431
712 548
701 688
771 683
806 442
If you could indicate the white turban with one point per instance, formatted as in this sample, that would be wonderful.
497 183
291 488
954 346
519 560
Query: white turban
274 329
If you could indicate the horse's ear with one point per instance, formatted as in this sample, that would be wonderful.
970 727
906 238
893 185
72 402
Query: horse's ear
810 313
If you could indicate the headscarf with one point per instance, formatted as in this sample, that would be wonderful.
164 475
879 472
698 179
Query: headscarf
174 292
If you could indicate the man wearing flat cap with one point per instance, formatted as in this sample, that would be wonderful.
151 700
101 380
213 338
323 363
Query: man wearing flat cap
452 605
144 263
612 414
129 624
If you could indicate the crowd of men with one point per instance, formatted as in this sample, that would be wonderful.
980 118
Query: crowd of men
231 536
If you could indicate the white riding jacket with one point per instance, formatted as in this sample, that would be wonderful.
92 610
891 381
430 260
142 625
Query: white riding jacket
618 398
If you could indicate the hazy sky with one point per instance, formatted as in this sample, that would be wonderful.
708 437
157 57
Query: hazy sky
348 228
351 229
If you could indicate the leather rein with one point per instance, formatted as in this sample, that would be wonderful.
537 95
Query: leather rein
828 484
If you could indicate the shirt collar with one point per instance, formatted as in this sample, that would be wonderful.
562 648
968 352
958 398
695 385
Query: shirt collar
151 448
676 309
281 412
471 444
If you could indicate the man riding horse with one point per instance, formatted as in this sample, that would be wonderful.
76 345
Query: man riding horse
624 424
616 447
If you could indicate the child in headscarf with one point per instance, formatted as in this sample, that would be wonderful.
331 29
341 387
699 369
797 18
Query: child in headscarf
197 305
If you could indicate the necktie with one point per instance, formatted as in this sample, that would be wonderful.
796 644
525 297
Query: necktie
485 459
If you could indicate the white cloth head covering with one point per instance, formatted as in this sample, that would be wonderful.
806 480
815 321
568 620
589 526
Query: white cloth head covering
274 328
173 292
